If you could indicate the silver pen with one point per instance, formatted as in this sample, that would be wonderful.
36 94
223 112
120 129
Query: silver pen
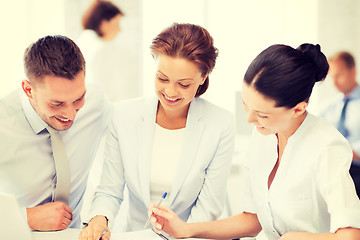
162 198
103 233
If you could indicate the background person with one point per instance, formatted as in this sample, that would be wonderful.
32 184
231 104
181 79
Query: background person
176 142
105 63
344 112
298 184
53 94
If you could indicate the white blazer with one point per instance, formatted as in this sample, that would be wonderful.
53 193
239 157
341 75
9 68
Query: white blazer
199 187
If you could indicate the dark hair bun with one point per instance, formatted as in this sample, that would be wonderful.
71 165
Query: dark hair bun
313 52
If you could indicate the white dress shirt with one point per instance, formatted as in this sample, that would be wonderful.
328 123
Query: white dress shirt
312 190
197 191
27 167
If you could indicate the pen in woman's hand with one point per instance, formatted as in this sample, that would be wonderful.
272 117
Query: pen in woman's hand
162 198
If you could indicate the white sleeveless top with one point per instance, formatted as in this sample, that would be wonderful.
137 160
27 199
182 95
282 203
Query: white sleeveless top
167 146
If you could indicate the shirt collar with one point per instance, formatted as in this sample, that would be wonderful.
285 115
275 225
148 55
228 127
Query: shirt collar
35 121
355 93
302 128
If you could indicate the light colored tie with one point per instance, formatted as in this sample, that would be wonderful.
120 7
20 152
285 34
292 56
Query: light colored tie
62 189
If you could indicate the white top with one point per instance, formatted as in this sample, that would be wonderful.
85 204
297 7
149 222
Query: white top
107 65
312 190
197 191
167 146
27 168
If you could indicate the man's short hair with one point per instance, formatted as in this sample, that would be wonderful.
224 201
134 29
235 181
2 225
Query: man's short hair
347 57
53 55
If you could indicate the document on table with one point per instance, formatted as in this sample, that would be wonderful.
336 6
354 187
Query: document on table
136 235
73 234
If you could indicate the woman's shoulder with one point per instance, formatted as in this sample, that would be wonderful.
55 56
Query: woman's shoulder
211 110
325 135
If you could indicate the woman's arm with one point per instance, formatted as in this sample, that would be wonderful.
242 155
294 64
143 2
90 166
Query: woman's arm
341 234
109 194
241 225
211 199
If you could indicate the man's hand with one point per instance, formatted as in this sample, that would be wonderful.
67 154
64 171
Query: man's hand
95 228
49 217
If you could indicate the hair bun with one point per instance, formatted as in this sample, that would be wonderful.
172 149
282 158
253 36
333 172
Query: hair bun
313 52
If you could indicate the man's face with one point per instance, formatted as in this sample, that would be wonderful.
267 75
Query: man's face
342 76
57 100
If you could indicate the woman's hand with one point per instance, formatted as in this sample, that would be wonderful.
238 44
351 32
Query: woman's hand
95 228
164 219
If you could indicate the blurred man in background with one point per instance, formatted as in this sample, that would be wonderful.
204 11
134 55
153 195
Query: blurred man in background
344 111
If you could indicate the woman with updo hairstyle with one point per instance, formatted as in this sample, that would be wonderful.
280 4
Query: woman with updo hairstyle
297 183
173 142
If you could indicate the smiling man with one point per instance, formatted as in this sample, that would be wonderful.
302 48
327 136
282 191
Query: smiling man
52 100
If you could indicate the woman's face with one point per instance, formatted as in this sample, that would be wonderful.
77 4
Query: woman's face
176 82
110 28
263 113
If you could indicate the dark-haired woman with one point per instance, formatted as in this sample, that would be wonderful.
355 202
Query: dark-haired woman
175 142
105 63
298 182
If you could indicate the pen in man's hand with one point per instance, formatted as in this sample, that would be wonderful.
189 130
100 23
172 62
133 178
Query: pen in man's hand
162 198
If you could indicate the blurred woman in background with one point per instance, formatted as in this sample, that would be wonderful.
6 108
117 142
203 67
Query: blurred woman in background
104 63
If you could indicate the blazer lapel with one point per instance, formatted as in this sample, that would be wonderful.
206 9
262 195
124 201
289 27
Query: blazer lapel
145 133
192 138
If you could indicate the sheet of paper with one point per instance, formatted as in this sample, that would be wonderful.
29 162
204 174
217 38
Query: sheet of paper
67 234
73 234
136 235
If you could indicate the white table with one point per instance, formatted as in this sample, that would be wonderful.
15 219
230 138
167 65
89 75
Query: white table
73 234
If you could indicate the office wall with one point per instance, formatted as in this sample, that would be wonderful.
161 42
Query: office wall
241 29
338 30
22 22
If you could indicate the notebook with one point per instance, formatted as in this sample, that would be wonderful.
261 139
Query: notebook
13 224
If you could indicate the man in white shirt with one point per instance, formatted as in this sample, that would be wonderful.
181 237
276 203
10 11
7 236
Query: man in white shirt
52 95
344 112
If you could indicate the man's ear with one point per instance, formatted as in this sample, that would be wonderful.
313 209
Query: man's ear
299 109
27 88
353 72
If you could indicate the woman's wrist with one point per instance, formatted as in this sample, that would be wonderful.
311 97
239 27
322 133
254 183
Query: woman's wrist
189 230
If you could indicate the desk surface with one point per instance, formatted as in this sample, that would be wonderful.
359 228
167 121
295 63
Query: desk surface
73 234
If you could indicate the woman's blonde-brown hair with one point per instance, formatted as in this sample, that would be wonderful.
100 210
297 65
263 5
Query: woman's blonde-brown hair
191 42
